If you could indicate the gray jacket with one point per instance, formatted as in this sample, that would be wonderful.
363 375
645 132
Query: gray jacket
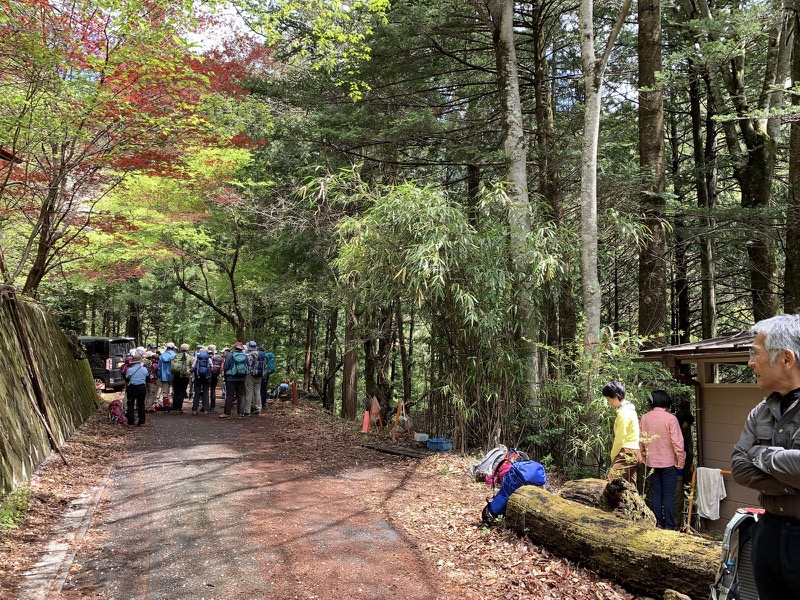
767 456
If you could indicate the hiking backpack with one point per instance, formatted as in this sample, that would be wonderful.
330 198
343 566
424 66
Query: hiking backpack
495 464
519 473
116 414
180 365
258 363
512 457
202 366
239 365
734 580
216 364
270 363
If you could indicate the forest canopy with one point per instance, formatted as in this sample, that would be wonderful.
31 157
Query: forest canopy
483 210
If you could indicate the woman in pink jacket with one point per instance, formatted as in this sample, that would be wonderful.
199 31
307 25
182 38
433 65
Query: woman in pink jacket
661 442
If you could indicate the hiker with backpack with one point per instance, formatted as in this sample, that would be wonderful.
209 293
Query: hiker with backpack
265 380
235 369
256 367
181 365
136 389
216 374
151 362
165 370
201 372
282 389
197 349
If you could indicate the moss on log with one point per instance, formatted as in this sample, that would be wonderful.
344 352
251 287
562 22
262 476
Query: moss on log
639 556
616 496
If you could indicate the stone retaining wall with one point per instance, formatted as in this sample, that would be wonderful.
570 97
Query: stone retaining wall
69 392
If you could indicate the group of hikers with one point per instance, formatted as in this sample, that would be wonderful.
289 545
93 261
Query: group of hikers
163 379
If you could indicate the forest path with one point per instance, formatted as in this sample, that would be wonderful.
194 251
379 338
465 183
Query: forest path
203 507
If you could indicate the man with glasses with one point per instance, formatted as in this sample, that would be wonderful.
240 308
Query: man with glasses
767 457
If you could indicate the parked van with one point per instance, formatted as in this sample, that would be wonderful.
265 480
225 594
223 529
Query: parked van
105 356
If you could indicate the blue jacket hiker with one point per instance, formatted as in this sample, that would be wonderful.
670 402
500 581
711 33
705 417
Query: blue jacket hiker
165 363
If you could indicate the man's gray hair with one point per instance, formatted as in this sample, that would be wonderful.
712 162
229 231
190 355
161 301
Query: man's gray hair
781 332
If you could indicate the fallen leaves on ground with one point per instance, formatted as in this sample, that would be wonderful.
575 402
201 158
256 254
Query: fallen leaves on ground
433 502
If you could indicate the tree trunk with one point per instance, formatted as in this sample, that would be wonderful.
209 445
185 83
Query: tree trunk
792 268
652 259
753 150
681 327
590 280
132 325
350 376
705 185
331 362
309 347
516 153
592 71
647 559
404 359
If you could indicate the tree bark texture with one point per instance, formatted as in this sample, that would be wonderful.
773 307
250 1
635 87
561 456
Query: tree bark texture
753 148
591 130
704 154
516 155
792 267
332 363
652 259
647 559
350 376
309 347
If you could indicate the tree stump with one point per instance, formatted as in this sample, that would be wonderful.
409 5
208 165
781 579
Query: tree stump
616 496
645 559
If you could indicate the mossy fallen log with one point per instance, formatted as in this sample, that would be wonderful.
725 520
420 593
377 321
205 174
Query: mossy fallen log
616 496
641 557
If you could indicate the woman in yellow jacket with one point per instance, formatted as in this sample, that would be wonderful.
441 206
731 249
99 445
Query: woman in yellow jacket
625 453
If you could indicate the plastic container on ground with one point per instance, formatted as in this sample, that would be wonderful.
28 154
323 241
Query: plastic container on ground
440 444
420 437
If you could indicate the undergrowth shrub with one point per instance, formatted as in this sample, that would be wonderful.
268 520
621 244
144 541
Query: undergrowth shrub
570 423
14 508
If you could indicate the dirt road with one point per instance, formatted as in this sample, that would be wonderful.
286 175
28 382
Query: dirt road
203 507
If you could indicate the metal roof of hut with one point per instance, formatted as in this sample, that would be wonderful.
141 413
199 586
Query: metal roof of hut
733 347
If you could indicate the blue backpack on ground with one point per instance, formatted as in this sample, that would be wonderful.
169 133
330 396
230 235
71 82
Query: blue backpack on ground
523 472
202 367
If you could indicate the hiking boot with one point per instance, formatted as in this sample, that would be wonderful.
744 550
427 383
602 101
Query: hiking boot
242 415
224 416
203 412
194 412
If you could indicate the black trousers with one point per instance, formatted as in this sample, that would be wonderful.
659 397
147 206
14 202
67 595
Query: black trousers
201 386
776 557
136 395
179 384
234 390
